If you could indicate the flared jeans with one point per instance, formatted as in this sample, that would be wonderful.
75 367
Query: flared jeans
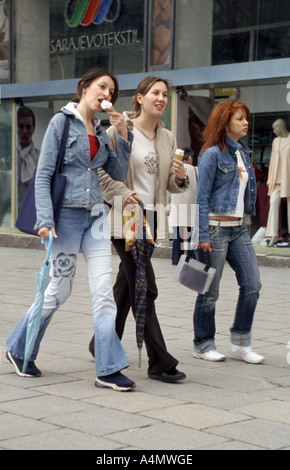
159 359
231 244
78 230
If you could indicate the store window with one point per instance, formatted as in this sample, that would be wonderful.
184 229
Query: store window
250 30
4 41
6 164
217 32
269 102
62 40
161 34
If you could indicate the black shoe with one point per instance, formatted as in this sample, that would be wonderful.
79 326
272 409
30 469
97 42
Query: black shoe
92 346
171 376
116 381
31 370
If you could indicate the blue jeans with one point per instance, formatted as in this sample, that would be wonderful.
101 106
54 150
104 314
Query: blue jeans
232 244
78 230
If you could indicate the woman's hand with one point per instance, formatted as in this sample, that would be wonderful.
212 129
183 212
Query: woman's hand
133 199
178 169
117 120
205 246
43 232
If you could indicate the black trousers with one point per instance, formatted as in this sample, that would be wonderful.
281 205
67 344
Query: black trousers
124 292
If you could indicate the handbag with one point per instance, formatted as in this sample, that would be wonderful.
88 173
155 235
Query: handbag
26 219
194 274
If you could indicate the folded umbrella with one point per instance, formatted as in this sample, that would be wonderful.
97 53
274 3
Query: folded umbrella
141 245
42 280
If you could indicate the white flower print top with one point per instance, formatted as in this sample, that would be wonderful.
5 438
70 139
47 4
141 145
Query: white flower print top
145 164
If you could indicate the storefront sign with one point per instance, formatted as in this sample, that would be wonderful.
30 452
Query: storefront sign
95 41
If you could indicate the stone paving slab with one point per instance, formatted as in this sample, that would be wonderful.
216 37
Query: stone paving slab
225 406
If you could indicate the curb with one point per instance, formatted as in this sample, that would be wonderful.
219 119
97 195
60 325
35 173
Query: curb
15 240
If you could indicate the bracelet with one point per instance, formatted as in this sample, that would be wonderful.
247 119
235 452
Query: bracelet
184 178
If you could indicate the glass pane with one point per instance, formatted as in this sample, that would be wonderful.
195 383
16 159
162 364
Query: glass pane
5 163
273 43
266 112
216 32
107 34
233 14
62 39
230 48
4 41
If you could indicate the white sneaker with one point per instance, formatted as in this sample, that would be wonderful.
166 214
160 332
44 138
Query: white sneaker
213 356
246 354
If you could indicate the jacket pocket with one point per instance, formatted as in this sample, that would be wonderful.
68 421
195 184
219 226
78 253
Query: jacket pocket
226 168
71 149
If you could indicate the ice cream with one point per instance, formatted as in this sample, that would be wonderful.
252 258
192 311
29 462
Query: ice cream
179 154
107 106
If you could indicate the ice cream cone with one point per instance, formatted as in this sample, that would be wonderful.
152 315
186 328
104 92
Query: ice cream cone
107 106
179 154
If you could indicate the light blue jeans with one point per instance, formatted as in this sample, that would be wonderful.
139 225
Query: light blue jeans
78 230
231 244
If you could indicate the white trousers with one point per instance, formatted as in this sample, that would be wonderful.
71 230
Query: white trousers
273 217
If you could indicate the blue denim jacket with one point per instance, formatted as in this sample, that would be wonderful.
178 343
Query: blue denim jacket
218 183
82 185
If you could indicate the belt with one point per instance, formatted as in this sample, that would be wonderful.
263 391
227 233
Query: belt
226 223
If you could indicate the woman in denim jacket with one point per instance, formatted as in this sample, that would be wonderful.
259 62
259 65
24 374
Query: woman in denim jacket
226 191
82 223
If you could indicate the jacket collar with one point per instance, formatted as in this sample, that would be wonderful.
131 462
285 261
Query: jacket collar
129 115
234 146
70 109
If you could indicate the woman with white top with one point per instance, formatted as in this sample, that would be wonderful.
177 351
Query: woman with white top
152 171
226 191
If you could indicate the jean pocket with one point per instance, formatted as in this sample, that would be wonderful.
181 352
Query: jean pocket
213 229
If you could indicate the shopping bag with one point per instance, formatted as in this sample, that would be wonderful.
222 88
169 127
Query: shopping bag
194 274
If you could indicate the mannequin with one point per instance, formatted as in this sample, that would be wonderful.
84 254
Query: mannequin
278 178
27 154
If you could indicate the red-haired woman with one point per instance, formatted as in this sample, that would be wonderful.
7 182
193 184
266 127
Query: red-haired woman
226 191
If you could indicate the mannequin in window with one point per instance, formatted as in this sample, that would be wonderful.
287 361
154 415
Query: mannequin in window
27 154
278 178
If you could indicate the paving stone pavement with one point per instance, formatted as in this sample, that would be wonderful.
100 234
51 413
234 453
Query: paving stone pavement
222 406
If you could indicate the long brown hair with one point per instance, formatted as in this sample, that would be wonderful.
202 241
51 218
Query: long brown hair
143 88
215 132
89 77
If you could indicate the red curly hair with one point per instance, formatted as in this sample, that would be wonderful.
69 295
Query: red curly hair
215 132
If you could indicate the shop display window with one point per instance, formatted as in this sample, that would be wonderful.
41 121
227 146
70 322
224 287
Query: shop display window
6 164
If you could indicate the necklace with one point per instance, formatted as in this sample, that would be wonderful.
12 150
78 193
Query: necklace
145 135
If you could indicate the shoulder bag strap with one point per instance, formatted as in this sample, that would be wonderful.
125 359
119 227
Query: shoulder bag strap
61 153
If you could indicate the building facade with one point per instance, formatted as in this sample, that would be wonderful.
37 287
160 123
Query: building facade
210 50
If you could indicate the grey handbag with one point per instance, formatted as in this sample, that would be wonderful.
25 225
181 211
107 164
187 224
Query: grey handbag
193 274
